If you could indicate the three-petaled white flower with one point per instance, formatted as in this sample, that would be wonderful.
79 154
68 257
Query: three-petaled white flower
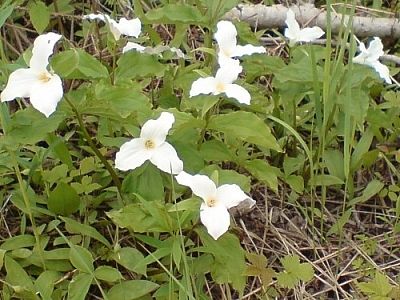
227 44
295 34
222 83
214 210
370 57
151 146
43 87
124 26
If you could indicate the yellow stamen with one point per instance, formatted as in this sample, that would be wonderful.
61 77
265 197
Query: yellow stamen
149 144
44 76
211 202
221 87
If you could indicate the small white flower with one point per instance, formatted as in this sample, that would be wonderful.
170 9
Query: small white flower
295 34
43 87
151 146
222 83
124 26
370 57
156 50
228 48
214 210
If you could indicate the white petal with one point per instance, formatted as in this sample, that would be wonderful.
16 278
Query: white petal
132 155
19 84
166 159
201 185
94 17
239 93
361 58
382 70
130 27
248 50
133 46
157 130
43 47
114 28
293 29
228 62
45 95
310 34
203 86
216 219
228 73
375 49
226 37
230 195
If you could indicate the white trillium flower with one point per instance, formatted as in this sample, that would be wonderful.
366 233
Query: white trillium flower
43 87
295 34
151 145
370 57
214 210
150 50
228 48
124 26
222 83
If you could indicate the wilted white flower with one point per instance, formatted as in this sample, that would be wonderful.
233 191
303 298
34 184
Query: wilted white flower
217 200
43 87
124 26
295 34
222 83
151 145
150 50
370 57
227 44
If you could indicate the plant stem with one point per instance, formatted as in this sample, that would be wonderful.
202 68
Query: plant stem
23 188
89 140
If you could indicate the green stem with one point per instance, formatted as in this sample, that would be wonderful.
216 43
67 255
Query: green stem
89 140
23 188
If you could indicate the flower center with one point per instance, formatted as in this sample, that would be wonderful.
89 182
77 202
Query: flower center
228 53
44 76
221 87
211 202
149 144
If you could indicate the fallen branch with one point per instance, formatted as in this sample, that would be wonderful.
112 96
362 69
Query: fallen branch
261 16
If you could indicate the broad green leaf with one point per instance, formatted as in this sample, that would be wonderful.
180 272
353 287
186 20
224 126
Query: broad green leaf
81 258
337 227
108 274
17 277
39 14
226 249
373 188
145 181
2 252
245 126
215 150
333 159
125 98
78 64
28 126
214 10
379 286
17 242
75 227
261 170
5 12
261 65
79 286
173 13
134 64
130 258
44 284
61 150
63 200
131 289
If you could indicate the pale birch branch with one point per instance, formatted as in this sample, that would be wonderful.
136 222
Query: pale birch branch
261 16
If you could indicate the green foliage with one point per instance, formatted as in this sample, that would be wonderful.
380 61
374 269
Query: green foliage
315 123
294 271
